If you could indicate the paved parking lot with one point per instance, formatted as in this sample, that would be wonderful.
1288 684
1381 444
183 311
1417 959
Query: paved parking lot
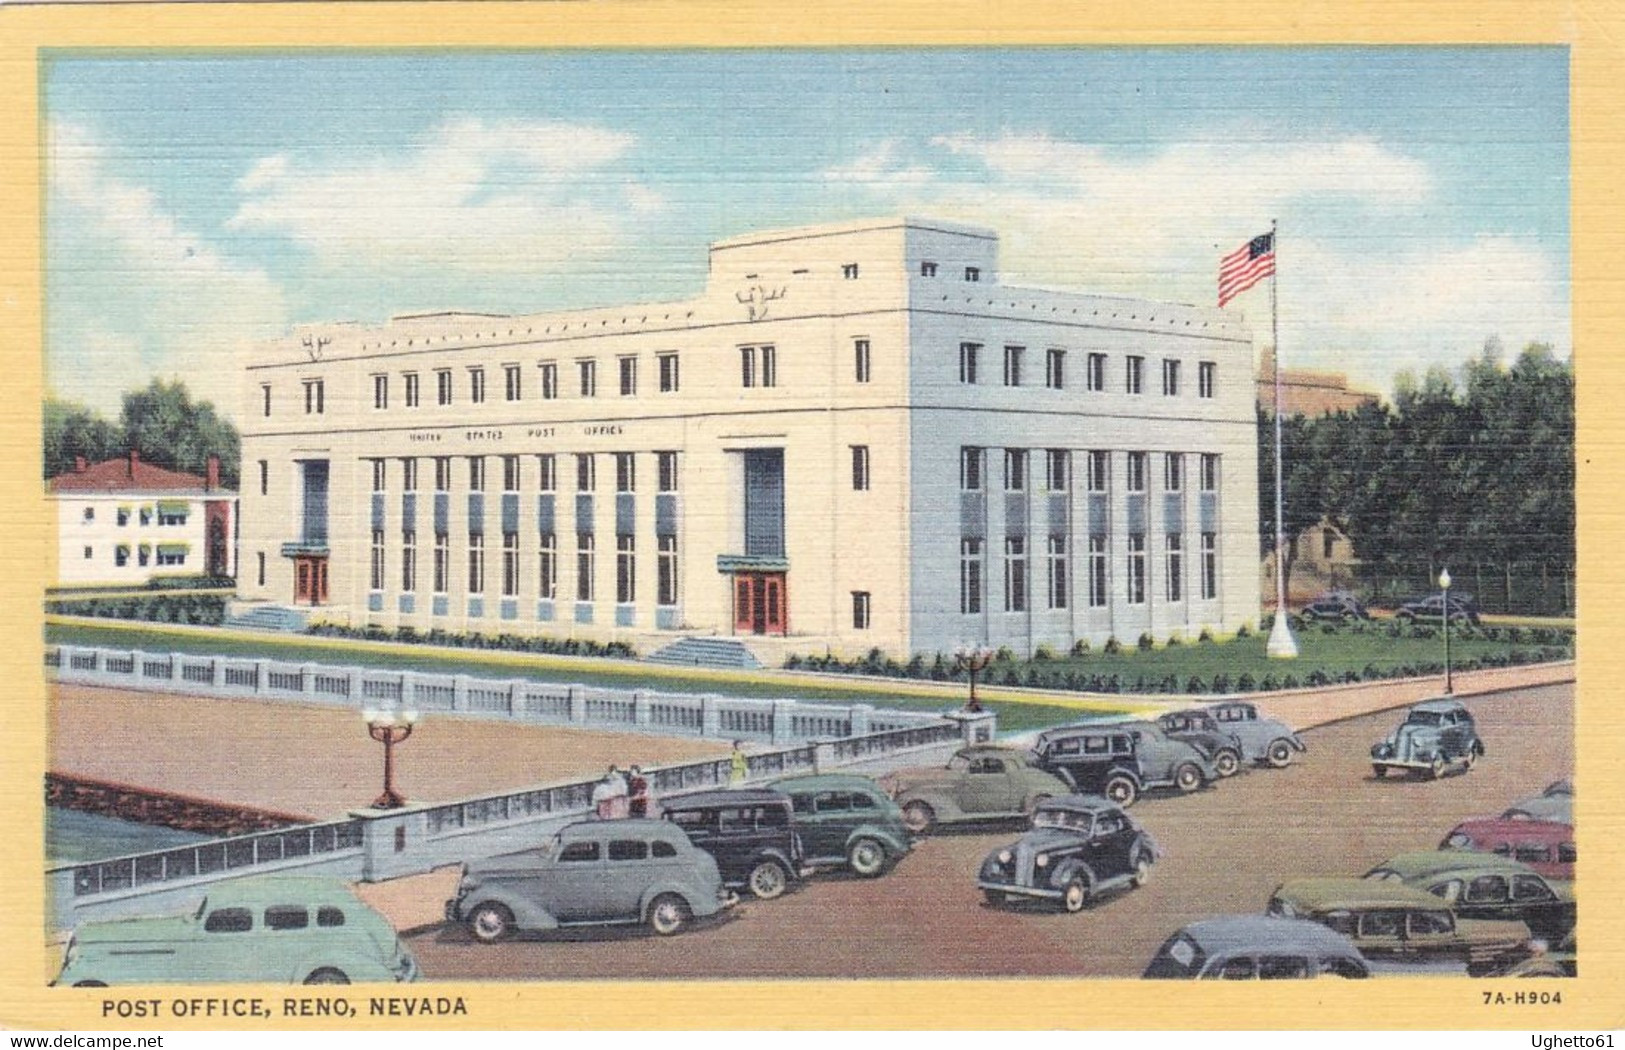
1228 847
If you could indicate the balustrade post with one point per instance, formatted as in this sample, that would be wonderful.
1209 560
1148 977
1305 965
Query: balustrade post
459 692
783 715
217 672
356 693
823 755
307 681
578 703
136 657
640 708
409 691
710 715
859 715
262 676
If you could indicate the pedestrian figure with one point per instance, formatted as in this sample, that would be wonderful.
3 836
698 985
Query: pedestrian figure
609 795
738 765
637 793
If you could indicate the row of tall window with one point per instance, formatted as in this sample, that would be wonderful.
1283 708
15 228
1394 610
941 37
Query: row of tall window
1057 464
1095 372
513 472
1058 571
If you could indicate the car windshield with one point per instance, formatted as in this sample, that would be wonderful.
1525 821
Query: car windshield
551 849
1180 957
1061 818
1423 718
959 762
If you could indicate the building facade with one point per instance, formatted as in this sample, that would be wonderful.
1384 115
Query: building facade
856 436
125 522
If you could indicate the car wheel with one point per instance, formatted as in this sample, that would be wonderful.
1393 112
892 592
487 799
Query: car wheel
1436 767
1187 778
1471 758
919 817
1121 789
1142 869
1075 896
490 923
668 914
1380 771
1227 763
1279 754
328 975
866 858
768 880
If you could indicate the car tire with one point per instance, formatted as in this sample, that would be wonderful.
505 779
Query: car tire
1142 869
1279 754
1187 777
768 880
866 858
1075 895
1121 789
919 818
669 914
1436 768
1227 763
1380 771
1470 759
328 975
490 923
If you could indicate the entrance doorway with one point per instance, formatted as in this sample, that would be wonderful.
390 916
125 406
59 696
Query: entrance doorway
761 603
309 579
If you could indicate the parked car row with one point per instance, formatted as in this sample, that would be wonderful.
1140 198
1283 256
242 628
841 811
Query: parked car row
1345 607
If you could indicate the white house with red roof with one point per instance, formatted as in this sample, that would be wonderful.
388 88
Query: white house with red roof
123 521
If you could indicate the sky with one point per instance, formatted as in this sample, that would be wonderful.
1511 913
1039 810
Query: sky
198 202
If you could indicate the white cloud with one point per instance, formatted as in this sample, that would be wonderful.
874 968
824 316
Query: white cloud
879 169
474 196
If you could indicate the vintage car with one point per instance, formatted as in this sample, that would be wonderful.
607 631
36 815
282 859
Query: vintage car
1557 961
1080 848
749 832
1435 735
1122 760
1484 886
1262 739
597 872
978 783
1430 609
1335 607
277 929
1198 727
1558 808
1257 947
1547 846
846 821
1402 929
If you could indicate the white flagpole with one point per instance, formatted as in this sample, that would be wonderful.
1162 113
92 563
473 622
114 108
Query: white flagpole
1281 644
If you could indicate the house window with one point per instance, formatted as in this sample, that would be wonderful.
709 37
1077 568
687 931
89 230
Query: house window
860 468
1133 374
666 463
1136 471
411 379
1012 365
758 366
409 560
669 373
442 382
587 372
121 557
548 565
265 398
476 563
629 376
626 566
512 383
314 391
1176 563
510 564
1328 540
259 555
849 271
442 562
667 571
1205 374
547 472
476 385
860 360
626 472
90 514
265 477
973 274
171 556
770 369
90 553
928 269
1057 468
476 473
860 610
967 361
1058 571
380 392
586 472
1015 574
442 473
123 515
1210 472
1015 470
143 554
970 469
409 474
584 551
1095 380
1136 568
510 474
747 367
1100 470
1097 572
171 515
1210 565
145 516
970 575
380 471
1173 472
1170 377
550 380
1055 369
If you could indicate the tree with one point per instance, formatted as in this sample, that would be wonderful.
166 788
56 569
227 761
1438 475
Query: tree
72 430
163 424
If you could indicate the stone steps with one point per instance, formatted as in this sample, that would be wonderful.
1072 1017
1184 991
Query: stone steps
706 652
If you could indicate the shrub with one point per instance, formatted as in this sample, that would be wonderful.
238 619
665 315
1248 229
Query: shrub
1372 673
1318 677
1221 683
1205 637
1169 684
1350 675
1080 647
1032 680
1195 684
1112 646
1043 652
1328 628
1173 641
1011 677
1246 683
1244 631
1112 684
1146 642
792 662
1004 655
1269 684
1266 623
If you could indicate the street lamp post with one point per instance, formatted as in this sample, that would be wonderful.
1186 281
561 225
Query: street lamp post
972 659
1444 584
389 728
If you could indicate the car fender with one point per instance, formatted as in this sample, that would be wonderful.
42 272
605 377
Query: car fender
700 908
895 846
940 801
1145 843
779 857
528 914
1069 869
354 965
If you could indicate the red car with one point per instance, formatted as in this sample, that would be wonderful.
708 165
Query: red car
1547 846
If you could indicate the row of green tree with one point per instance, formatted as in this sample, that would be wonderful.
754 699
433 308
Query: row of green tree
160 422
1472 473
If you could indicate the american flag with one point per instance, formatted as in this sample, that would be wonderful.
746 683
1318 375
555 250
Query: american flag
1246 266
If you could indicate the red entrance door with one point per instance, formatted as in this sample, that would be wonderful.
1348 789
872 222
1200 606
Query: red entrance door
761 603
310 580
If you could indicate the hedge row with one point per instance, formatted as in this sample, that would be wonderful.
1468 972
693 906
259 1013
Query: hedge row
157 608
476 640
1463 632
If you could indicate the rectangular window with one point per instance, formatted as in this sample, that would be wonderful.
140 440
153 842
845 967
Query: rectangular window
1058 572
261 574
476 564
550 380
90 553
476 473
587 373
265 398
1096 378
1206 372
860 360
1210 565
442 386
265 477
510 474
442 562
1170 377
1015 470
548 565
1210 472
1133 374
670 374
409 561
510 564
1173 471
379 473
629 375
1057 468
380 392
584 551
586 472
476 385
1136 568
928 269
849 271
967 361
547 472
409 474
442 473
626 472
747 366
411 380
860 468
1136 471
973 273
970 469
1174 544
512 383
970 575
123 516
667 464
860 610
1055 369
314 389
667 566
1097 572
1012 365
1100 470
626 569
1015 574
770 366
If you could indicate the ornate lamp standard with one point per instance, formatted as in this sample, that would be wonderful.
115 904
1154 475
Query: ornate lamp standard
972 659
389 728
1444 584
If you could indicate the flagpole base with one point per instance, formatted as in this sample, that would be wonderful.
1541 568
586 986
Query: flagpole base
1281 645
